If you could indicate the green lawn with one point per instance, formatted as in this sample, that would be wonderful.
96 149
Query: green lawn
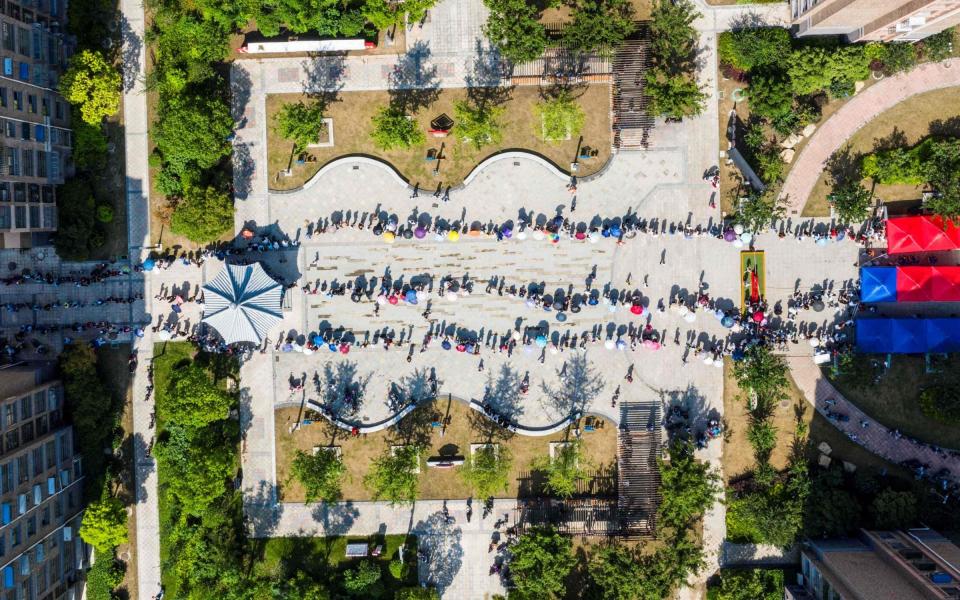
895 402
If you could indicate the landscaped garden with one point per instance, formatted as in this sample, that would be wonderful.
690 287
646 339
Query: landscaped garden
518 127
446 429
780 86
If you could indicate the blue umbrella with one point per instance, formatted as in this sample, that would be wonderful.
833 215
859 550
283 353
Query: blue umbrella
541 341
469 348
615 231
411 296
446 345
561 317
605 233
149 264
593 301
317 340
727 322
332 347
738 354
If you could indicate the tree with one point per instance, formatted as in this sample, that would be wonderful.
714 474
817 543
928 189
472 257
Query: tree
943 172
894 510
89 144
104 525
851 202
673 95
762 374
752 47
193 400
384 14
540 561
939 46
832 512
192 132
849 63
759 210
416 593
749 584
319 474
513 28
93 84
622 573
770 95
303 587
478 124
78 233
599 25
809 70
762 435
392 129
394 475
486 470
362 579
899 56
196 466
563 470
688 487
301 123
203 215
559 118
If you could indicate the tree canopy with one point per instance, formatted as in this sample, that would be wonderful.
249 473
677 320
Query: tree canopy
392 129
93 84
514 29
194 400
320 474
540 561
688 487
203 214
752 47
749 584
851 202
104 525
599 25
394 475
759 210
560 118
894 510
672 84
486 470
191 133
563 470
301 123
478 125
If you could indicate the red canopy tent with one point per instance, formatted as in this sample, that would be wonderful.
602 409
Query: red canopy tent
928 284
921 234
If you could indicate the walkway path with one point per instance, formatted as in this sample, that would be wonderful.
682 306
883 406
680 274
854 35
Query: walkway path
138 236
853 115
876 438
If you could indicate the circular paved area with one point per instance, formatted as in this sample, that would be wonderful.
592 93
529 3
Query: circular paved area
853 115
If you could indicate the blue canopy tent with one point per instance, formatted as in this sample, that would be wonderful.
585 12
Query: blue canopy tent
907 335
878 284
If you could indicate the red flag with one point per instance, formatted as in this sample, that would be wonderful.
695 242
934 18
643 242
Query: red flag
754 286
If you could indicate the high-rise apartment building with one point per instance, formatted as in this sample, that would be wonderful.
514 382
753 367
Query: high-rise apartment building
41 554
874 20
35 136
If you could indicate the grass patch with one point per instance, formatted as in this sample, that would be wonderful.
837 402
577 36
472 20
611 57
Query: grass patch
352 113
285 556
895 402
465 426
905 124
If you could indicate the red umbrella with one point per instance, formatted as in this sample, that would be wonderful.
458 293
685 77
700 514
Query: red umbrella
581 235
636 309
461 348
392 300
344 349
247 234
758 316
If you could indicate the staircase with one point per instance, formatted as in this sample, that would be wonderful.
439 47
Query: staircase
631 122
638 446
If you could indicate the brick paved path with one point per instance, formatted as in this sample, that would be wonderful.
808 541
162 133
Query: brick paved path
876 438
853 115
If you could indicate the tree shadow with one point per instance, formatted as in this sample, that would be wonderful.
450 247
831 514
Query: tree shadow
503 393
241 88
342 390
336 518
262 510
413 84
132 45
442 551
945 128
324 78
416 429
578 385
243 169
419 386
896 139
843 167
487 78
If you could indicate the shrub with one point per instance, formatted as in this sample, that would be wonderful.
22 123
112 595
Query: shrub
105 213
104 576
939 45
753 47
809 70
89 144
770 95
748 584
417 593
941 402
104 525
894 510
362 579
900 56
397 569
842 88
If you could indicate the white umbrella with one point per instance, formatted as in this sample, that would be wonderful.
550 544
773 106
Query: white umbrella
690 317
708 360
737 243
738 229
814 342
422 295
242 303
553 350
609 345
439 237
307 351
684 311
718 363
516 335
538 235
297 348
451 296
163 335
521 236
594 237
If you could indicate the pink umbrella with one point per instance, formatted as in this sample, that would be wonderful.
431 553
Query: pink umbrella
636 309
758 316
344 349
581 235
651 344
392 300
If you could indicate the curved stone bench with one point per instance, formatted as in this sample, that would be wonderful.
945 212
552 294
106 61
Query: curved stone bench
403 182
533 431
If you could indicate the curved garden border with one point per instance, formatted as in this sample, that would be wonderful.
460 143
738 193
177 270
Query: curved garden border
508 154
406 410
852 116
